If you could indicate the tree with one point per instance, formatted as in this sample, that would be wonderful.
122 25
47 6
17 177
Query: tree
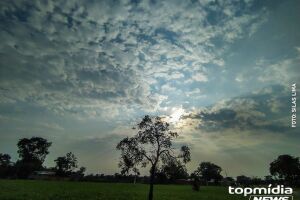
127 166
174 169
5 165
33 149
209 171
136 172
78 175
243 180
256 181
81 171
4 160
32 153
65 164
151 145
286 167
269 179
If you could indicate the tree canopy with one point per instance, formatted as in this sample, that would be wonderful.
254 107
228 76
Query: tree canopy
209 171
66 164
4 160
32 153
152 145
174 169
286 167
33 149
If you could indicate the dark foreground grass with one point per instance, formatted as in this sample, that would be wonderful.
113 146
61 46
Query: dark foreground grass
59 190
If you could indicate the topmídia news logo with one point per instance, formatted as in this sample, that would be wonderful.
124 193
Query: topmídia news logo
264 193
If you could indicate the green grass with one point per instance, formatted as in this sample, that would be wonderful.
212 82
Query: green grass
59 190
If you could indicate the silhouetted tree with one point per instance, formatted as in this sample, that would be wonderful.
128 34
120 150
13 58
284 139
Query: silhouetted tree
79 174
161 177
256 181
195 182
269 179
151 145
32 153
4 160
5 165
81 171
243 180
65 164
127 166
136 172
33 149
286 167
209 171
174 169
230 179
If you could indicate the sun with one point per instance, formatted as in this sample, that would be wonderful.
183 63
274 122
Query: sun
176 114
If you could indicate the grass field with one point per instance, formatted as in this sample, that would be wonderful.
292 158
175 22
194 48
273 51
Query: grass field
53 190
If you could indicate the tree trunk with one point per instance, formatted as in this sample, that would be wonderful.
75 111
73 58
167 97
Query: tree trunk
152 174
134 181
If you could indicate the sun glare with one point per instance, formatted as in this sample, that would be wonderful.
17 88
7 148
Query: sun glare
176 114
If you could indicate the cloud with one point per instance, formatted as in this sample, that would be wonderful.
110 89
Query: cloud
81 59
199 77
264 110
193 92
281 72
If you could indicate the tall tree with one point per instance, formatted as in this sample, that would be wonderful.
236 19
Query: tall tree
286 167
33 149
65 164
32 153
209 171
151 145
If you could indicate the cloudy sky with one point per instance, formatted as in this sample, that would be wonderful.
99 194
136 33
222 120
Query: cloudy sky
81 73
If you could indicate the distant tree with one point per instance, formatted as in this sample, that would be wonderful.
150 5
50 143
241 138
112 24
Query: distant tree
79 174
230 179
81 171
65 164
243 180
174 169
4 160
256 181
136 172
151 145
32 153
269 179
127 166
5 165
161 177
209 171
286 167
195 182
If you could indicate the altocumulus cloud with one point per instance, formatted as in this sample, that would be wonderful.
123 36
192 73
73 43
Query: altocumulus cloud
77 58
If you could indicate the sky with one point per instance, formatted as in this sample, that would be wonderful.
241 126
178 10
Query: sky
82 73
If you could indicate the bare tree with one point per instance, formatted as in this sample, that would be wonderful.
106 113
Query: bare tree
152 145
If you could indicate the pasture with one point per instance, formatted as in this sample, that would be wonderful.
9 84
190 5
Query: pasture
59 190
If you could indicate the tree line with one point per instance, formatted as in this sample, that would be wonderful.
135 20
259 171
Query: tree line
32 153
151 146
